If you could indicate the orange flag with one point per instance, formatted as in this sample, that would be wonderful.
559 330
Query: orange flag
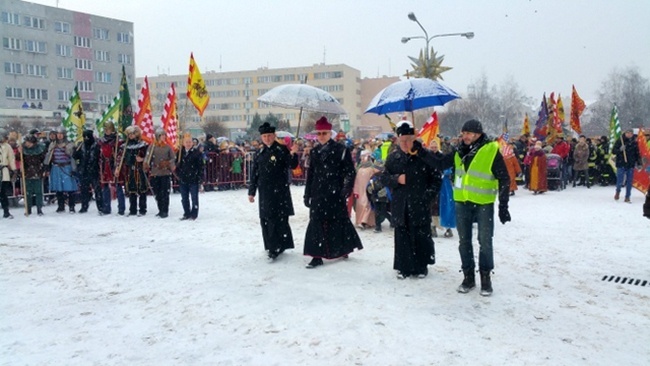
143 117
560 114
430 130
577 107
525 130
196 91
641 178
170 119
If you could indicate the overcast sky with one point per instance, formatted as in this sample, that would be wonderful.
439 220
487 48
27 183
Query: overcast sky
543 45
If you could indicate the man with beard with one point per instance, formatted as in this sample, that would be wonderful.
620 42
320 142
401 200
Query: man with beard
109 160
480 175
135 181
269 174
87 155
413 184
330 233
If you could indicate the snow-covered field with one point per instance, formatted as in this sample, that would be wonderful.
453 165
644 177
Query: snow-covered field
89 290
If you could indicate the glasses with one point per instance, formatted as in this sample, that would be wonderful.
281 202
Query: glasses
321 133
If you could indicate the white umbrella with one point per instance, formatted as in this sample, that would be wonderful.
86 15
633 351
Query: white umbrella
303 97
283 134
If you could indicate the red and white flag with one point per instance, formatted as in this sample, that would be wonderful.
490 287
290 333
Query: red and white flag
170 119
142 117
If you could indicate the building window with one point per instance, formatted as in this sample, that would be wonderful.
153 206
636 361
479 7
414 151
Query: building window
85 86
332 88
123 37
64 95
289 77
13 68
82 42
82 64
14 93
124 59
36 94
10 18
100 33
64 73
63 50
37 70
36 46
247 80
104 99
62 27
328 75
11 43
34 22
103 56
103 77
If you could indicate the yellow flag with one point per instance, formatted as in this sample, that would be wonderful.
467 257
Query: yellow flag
196 91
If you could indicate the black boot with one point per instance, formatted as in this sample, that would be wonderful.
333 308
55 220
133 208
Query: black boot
469 282
60 201
486 283
39 211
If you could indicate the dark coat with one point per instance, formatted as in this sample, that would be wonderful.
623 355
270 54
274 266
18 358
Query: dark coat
330 179
136 181
87 156
631 156
411 202
33 161
270 175
190 167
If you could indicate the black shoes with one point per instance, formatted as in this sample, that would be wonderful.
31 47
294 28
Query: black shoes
469 282
486 283
315 262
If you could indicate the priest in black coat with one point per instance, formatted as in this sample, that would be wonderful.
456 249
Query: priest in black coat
270 176
330 178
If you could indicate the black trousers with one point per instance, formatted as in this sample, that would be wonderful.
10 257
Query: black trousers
86 184
5 191
161 186
137 201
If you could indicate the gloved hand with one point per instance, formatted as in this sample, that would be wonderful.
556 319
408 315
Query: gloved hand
417 147
504 215
622 148
307 201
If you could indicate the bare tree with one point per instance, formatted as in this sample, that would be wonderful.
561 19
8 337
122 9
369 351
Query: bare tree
214 126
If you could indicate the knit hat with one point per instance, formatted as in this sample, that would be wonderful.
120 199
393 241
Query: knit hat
472 126
266 128
323 124
341 136
404 128
31 138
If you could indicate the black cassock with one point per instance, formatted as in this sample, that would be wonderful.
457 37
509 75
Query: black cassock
330 178
410 209
270 177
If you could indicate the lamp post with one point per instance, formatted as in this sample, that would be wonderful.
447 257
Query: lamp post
411 15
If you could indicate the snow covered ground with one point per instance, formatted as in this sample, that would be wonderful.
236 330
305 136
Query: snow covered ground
89 290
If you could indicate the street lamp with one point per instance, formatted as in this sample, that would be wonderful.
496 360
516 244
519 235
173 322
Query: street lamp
411 15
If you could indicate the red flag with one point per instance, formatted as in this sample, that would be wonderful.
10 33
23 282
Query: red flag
525 130
577 106
143 117
170 119
559 108
641 179
430 130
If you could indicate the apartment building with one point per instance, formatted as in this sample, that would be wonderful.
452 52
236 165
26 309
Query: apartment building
233 95
46 51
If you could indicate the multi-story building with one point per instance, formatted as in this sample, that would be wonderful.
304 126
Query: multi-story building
233 95
46 51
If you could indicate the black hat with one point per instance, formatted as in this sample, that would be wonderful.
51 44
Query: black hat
266 128
31 138
34 131
404 128
208 136
472 126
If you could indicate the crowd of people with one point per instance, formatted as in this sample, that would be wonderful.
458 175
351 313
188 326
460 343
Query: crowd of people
348 186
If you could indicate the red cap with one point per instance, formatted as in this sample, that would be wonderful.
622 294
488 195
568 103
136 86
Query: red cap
323 125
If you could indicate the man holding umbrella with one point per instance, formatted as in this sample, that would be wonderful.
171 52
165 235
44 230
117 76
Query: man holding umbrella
269 174
330 178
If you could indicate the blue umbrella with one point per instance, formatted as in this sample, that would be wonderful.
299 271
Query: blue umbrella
409 95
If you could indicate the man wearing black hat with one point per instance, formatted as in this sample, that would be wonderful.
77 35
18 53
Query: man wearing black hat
270 175
627 157
480 175
87 155
413 186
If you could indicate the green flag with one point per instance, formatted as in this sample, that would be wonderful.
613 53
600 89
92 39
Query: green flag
614 128
112 114
126 116
74 117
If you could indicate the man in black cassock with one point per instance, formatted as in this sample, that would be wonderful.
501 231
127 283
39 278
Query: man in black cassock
330 179
270 175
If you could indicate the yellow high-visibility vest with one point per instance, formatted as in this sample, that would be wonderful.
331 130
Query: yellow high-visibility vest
477 184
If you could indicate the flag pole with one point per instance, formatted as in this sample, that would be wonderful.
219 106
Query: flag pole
26 199
299 119
178 130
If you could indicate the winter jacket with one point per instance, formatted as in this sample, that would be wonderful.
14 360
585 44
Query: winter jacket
7 161
580 156
33 158
270 176
190 167
160 159
627 157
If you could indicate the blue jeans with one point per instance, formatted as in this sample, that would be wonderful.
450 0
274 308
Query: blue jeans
106 201
466 214
190 191
626 174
